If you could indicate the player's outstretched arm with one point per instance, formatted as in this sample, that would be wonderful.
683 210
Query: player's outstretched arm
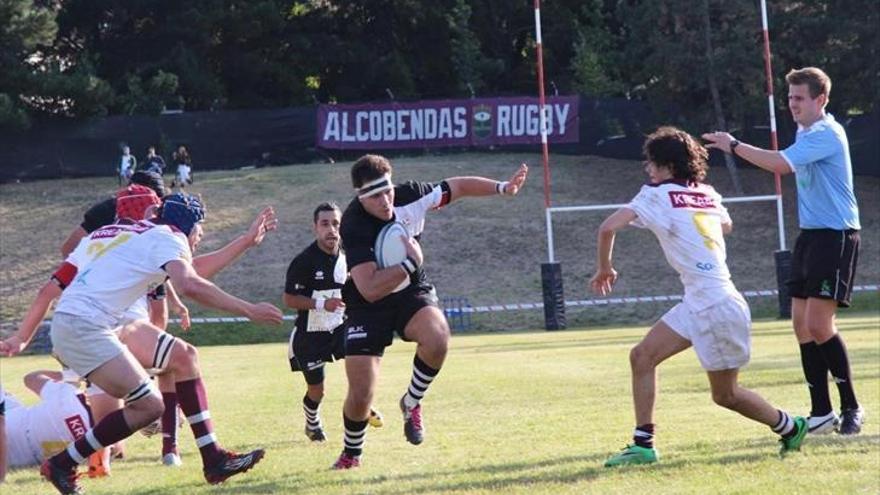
208 265
603 280
463 187
190 284
18 341
771 161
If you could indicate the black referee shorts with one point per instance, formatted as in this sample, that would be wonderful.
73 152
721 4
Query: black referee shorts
370 329
823 265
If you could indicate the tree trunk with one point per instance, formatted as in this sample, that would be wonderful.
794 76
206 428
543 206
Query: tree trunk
720 122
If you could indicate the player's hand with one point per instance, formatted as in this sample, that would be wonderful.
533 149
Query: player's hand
718 140
333 304
265 313
603 281
11 346
516 181
182 312
413 249
265 222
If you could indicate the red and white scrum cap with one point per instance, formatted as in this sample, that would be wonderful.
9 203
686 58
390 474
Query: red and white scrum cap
133 202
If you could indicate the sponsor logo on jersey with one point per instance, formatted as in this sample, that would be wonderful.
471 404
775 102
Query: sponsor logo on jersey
76 425
706 267
319 275
687 199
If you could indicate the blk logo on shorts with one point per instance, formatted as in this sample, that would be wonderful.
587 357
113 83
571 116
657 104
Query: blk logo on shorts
355 332
825 288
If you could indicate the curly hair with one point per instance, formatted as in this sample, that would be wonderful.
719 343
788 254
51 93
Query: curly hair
672 148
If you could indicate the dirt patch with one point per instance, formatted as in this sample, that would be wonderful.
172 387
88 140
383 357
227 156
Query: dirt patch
488 250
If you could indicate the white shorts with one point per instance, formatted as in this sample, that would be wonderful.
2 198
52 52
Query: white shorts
184 174
83 345
720 334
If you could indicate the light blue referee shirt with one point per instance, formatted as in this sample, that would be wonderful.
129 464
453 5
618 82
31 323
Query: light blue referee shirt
820 160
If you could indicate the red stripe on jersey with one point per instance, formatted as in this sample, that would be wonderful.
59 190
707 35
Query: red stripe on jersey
64 274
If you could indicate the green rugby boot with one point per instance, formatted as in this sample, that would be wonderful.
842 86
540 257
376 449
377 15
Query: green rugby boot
633 454
794 442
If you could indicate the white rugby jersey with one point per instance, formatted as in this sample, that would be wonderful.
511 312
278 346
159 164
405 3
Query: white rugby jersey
117 265
687 221
40 431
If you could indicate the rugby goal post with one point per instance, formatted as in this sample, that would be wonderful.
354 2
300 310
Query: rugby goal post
551 272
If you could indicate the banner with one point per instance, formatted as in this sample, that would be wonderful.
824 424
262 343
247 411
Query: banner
438 123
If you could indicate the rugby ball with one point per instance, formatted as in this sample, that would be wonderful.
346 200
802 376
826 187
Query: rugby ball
390 249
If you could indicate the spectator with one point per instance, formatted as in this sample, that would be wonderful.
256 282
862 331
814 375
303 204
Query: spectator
154 162
184 167
127 165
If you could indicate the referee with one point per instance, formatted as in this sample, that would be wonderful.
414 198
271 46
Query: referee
827 249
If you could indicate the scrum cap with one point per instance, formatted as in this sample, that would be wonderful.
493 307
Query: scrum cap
183 211
133 202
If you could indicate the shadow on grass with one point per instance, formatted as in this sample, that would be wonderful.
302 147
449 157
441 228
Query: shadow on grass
499 476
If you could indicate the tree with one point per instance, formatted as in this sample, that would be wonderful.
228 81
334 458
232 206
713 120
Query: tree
24 30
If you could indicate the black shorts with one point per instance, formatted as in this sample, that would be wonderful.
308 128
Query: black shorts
369 330
309 351
823 265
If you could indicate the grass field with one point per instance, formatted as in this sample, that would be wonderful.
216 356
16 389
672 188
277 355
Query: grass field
528 412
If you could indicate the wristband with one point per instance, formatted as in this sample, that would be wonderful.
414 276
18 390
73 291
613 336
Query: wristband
500 187
410 265
733 144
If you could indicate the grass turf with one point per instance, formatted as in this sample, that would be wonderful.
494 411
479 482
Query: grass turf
521 412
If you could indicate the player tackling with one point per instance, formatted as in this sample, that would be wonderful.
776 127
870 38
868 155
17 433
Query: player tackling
689 221
114 267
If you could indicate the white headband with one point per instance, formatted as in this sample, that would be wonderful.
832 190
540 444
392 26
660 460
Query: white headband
375 187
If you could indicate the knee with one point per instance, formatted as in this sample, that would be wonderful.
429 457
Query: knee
640 358
436 342
147 409
316 393
725 398
185 356
360 398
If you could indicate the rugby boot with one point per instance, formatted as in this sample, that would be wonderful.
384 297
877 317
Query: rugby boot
412 423
632 455
232 463
97 467
794 442
64 480
820 425
316 435
851 421
172 459
376 420
346 461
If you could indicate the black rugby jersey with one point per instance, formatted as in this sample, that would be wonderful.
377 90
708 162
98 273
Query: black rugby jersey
359 230
316 274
